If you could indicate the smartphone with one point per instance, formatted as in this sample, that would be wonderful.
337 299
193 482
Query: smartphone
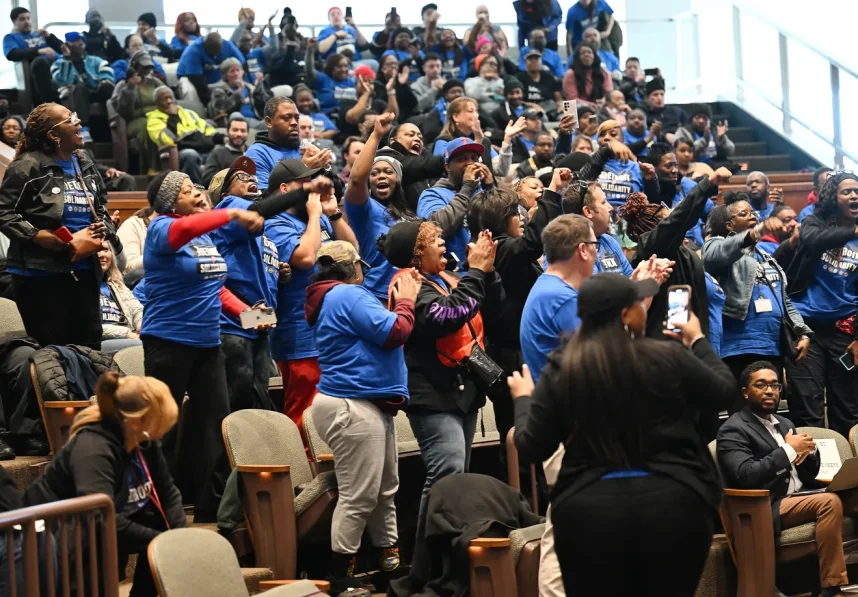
847 360
253 317
348 12
63 234
651 72
452 263
393 11
677 306
570 107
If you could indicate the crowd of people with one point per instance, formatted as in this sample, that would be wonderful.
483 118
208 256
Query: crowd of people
409 221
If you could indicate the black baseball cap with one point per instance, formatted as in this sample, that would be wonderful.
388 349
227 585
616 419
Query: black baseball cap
604 296
289 170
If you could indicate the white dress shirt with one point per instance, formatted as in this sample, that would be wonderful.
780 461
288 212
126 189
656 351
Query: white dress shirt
771 425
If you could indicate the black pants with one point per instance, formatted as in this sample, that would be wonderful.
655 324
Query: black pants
821 375
248 369
199 372
61 309
655 529
82 96
40 72
738 363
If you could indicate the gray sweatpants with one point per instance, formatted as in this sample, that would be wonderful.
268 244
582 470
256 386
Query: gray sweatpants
363 440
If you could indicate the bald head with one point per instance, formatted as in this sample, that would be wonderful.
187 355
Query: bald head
213 44
757 185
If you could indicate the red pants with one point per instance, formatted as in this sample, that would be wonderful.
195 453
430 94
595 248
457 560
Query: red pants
300 377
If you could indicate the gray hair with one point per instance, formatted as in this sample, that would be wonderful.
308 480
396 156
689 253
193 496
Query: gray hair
228 64
161 90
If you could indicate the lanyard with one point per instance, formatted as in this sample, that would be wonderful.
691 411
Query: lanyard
153 495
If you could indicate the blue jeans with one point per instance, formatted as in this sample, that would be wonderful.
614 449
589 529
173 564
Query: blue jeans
445 443
191 163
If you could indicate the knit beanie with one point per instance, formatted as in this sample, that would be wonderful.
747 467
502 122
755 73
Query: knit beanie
450 84
394 163
167 193
148 18
478 61
398 244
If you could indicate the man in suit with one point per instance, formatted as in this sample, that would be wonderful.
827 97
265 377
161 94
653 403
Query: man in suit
758 449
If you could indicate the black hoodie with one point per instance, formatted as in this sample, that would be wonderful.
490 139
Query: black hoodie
96 460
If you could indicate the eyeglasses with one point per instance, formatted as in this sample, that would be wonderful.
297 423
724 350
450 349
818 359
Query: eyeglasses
742 214
590 242
72 119
761 385
245 177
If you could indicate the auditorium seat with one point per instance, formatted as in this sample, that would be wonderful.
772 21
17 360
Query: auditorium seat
406 443
10 318
130 360
506 567
486 433
320 452
57 415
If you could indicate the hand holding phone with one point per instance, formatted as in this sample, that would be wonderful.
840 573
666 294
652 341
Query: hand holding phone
253 318
348 12
847 360
64 234
677 306
651 72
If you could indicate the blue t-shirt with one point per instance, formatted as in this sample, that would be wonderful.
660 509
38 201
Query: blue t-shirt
450 67
196 61
716 297
550 312
805 212
767 246
433 199
178 44
139 292
350 333
246 108
578 19
252 264
413 64
346 43
22 41
609 61
322 123
696 233
293 338
330 92
369 221
180 283
708 154
111 312
139 486
833 291
632 138
266 156
255 62
764 213
760 333
620 180
610 257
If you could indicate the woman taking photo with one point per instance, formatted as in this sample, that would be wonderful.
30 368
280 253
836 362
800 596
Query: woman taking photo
635 464
181 323
121 312
824 289
56 280
444 396
355 332
585 80
114 448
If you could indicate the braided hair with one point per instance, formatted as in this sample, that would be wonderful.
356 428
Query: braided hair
640 215
34 137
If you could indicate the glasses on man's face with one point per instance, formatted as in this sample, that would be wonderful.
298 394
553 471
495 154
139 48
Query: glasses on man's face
590 242
245 177
762 385
72 120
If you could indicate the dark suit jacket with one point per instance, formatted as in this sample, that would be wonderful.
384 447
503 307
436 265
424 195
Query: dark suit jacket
750 458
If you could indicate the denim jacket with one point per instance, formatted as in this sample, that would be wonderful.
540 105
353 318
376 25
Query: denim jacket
733 264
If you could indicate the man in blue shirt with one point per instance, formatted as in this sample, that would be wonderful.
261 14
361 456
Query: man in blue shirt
39 47
200 62
551 310
757 186
551 61
594 205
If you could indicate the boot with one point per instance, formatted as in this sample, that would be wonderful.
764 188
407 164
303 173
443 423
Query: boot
341 577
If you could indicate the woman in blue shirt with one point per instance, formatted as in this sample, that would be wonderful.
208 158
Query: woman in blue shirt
825 292
353 414
618 179
184 277
187 31
755 291
332 85
449 48
43 196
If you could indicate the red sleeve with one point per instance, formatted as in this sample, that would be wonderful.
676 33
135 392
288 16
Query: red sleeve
183 230
232 305
401 329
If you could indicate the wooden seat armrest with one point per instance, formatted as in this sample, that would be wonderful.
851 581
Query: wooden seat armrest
265 585
324 457
747 493
67 404
490 542
263 468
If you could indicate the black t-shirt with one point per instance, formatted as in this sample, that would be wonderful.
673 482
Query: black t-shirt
538 92
346 128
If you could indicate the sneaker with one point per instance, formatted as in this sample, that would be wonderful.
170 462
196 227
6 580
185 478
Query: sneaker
388 559
347 586
84 133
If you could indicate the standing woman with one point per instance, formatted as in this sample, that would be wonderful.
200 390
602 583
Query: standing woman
56 282
356 333
463 120
635 464
824 289
444 396
181 323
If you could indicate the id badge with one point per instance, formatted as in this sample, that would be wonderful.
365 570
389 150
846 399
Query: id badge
762 305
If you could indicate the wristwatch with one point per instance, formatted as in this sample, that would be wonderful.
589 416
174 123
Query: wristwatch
336 216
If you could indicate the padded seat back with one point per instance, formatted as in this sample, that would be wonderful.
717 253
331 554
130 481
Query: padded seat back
195 563
486 422
130 360
521 537
314 440
266 437
405 440
10 318
713 450
843 447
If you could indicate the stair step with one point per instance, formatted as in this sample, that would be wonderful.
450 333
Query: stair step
101 150
764 163
754 148
741 134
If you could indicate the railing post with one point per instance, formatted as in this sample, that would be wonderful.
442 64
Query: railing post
695 43
784 59
835 111
737 52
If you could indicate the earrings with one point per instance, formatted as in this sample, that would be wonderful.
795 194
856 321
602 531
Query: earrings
629 331
145 445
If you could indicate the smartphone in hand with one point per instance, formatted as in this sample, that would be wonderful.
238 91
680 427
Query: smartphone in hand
348 12
677 306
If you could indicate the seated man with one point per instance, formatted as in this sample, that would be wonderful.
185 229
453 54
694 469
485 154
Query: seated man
710 147
82 80
758 449
223 156
99 40
760 197
670 117
170 125
200 63
610 62
39 47
551 61
633 81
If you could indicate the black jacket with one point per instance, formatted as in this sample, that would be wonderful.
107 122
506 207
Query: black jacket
96 460
681 383
750 458
666 241
670 117
419 172
31 199
103 46
221 158
433 386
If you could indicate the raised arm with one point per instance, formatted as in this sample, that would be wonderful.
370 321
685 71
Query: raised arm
357 193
